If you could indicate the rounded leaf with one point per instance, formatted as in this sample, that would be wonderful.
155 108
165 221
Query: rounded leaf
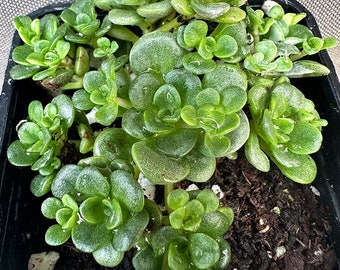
107 256
255 155
178 255
156 51
209 200
143 88
124 17
65 108
177 198
18 155
65 181
214 224
299 168
113 143
92 183
146 259
92 210
28 133
194 32
50 207
202 167
196 64
168 170
161 238
56 235
178 143
128 234
187 84
225 75
226 46
209 10
41 185
233 99
204 250
127 190
155 10
89 237
304 139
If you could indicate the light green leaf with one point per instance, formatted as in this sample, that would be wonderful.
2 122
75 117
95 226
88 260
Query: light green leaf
204 250
169 170
90 237
41 185
178 143
177 198
255 155
92 183
201 166
65 181
124 17
92 210
304 139
128 234
157 51
127 190
107 256
194 32
196 64
17 154
50 207
56 235
209 10
178 255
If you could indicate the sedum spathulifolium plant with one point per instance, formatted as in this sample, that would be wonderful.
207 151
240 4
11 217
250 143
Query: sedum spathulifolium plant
159 90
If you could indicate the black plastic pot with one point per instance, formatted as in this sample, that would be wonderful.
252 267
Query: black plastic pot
20 210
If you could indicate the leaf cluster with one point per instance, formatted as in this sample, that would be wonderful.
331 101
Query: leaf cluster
196 226
161 89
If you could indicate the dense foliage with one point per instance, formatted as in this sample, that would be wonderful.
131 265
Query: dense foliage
159 90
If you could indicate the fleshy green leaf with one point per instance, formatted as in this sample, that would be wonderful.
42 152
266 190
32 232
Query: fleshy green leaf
255 155
50 207
127 235
304 139
177 198
92 183
127 190
178 143
169 170
90 237
196 64
200 244
92 210
107 256
194 32
156 51
41 185
65 181
113 143
146 259
17 154
178 255
209 200
56 235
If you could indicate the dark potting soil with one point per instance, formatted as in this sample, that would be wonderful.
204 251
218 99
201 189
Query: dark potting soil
278 224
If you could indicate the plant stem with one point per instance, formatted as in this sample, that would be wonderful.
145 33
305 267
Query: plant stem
167 189
123 103
295 57
173 24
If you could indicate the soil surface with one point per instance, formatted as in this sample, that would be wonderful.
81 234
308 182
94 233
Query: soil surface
278 224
